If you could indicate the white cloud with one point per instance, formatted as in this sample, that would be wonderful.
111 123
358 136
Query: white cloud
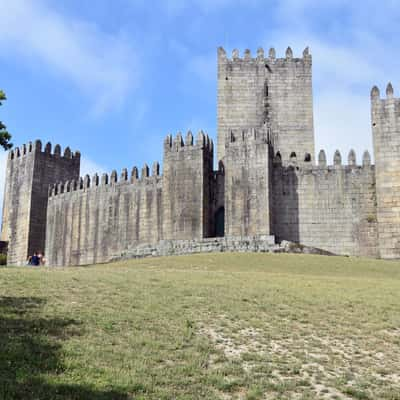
90 167
99 64
348 59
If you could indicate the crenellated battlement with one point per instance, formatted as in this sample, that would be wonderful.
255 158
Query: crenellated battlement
376 94
384 108
322 164
177 143
109 179
36 147
261 58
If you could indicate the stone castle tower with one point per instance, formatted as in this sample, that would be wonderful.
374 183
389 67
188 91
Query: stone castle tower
30 172
271 94
268 187
386 137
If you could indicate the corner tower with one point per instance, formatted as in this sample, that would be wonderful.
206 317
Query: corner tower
29 173
386 137
272 94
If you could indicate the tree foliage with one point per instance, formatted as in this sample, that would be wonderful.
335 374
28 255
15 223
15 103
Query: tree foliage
5 136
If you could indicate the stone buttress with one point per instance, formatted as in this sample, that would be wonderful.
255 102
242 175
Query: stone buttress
187 191
247 181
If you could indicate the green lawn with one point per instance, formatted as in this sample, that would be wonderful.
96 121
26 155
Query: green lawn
223 326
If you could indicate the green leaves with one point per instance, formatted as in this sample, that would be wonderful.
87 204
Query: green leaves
2 97
5 136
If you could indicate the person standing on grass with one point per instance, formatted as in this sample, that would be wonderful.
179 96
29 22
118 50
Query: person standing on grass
35 261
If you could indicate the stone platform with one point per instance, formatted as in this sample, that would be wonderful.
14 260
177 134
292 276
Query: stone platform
247 244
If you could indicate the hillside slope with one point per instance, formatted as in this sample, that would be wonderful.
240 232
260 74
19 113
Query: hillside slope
210 326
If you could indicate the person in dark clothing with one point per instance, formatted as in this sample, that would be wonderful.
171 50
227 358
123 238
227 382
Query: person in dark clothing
35 261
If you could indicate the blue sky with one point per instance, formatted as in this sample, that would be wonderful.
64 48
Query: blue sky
112 78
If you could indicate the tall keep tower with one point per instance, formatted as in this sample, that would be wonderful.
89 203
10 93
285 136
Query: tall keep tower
272 94
29 173
386 137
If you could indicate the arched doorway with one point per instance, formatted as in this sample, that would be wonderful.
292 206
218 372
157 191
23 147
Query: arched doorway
220 222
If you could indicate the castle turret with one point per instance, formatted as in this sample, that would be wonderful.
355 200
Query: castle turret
187 177
30 172
247 184
270 93
386 137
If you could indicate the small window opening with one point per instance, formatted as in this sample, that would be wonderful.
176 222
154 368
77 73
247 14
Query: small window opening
307 158
293 155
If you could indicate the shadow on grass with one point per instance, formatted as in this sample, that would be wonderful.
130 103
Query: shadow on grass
30 348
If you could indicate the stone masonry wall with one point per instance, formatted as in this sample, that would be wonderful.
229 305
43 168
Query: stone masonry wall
386 137
17 204
187 190
89 220
29 173
247 184
267 93
332 208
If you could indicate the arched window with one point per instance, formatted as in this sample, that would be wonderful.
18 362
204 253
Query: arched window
293 155
307 157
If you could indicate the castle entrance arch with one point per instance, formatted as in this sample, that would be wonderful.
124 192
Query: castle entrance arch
220 222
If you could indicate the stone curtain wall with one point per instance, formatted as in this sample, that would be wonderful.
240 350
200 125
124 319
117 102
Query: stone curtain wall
90 220
332 208
386 137
275 93
29 173
247 184
187 187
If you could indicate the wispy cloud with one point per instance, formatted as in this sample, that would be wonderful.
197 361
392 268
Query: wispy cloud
90 167
101 65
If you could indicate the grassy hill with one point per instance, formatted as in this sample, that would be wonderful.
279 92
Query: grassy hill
223 326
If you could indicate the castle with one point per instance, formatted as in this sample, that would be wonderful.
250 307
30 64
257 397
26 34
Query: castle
268 187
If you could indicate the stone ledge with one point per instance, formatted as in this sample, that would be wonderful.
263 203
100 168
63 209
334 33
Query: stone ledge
248 244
